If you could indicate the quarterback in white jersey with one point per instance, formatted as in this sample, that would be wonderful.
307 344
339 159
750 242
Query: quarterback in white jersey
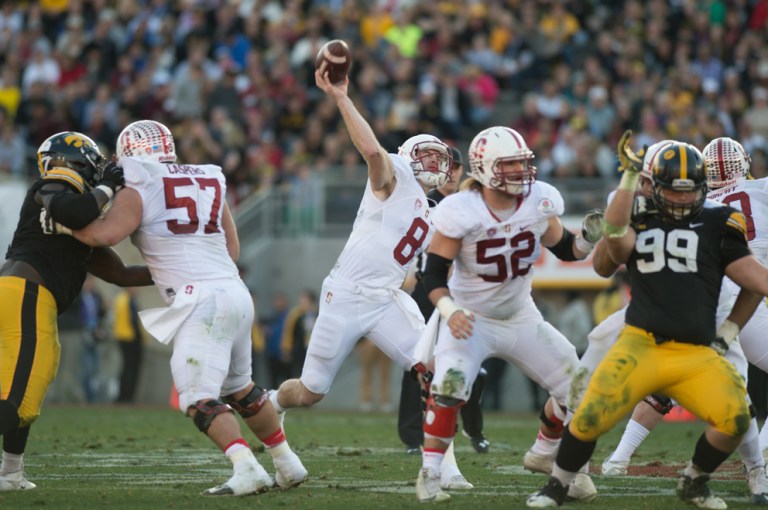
361 297
178 218
492 231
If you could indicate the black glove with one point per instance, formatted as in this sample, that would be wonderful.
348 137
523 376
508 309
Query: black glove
112 176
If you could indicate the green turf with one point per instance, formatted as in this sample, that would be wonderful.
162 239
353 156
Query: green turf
129 458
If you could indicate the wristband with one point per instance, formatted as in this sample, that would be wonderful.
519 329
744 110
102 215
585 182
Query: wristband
583 245
614 231
447 307
629 180
106 190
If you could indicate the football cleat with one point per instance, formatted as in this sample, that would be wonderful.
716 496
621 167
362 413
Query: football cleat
614 467
428 487
15 482
480 443
536 463
696 492
551 495
452 479
249 478
412 449
290 472
581 489
758 486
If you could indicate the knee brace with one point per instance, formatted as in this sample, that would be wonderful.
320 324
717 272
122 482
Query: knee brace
207 411
555 423
442 416
251 404
660 403
9 416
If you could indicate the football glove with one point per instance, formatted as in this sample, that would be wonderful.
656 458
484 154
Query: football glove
727 333
112 176
628 160
50 227
592 226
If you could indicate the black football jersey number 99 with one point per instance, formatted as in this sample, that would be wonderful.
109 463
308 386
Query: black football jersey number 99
676 272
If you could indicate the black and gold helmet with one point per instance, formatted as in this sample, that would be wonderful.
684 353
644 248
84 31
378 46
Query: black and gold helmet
71 157
679 167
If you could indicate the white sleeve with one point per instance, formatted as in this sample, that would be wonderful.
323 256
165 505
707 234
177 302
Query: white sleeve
550 201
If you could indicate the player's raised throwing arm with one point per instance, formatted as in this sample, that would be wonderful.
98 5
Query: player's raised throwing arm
380 169
442 251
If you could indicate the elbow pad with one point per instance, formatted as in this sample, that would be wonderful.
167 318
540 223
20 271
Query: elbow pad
74 211
564 247
436 272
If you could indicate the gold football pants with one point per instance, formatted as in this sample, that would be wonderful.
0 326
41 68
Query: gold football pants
699 379
29 345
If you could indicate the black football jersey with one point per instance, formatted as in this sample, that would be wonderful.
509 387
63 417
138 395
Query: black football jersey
676 270
61 260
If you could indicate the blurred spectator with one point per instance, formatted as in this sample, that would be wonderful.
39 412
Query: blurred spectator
611 299
279 363
12 150
126 329
574 321
92 312
297 330
374 363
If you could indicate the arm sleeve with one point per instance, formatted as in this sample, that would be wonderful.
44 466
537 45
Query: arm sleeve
74 211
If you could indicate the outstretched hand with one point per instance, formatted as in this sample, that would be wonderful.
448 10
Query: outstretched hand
592 225
628 160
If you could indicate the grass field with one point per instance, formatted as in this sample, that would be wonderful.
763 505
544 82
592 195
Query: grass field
139 458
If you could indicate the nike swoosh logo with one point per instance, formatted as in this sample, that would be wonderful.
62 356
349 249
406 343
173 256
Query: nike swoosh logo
695 225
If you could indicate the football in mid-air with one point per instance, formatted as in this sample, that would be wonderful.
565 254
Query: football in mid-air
335 58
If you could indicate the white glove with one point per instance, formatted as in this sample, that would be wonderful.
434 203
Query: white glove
592 226
727 333
50 227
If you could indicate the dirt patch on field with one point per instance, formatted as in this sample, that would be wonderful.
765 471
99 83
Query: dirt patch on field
731 470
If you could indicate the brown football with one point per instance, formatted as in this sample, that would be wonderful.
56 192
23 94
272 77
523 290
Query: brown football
336 58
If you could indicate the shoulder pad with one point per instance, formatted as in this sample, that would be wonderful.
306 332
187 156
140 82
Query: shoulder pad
737 221
642 208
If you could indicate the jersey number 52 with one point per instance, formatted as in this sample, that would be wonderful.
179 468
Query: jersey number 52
173 201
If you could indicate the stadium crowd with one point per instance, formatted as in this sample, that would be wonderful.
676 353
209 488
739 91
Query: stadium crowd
234 79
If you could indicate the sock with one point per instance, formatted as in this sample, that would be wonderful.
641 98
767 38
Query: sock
432 459
544 445
565 477
238 451
12 463
632 438
764 437
749 449
277 444
273 399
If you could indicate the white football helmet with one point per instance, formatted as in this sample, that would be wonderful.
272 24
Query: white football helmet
147 139
727 162
650 154
414 150
496 145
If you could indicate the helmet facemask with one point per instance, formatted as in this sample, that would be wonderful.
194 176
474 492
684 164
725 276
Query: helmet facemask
430 160
679 167
513 183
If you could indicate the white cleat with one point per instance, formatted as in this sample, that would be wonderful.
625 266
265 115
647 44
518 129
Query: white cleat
290 472
15 482
538 463
428 487
614 467
581 489
455 482
758 486
250 478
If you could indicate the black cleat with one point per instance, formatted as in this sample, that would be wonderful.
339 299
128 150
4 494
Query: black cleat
480 443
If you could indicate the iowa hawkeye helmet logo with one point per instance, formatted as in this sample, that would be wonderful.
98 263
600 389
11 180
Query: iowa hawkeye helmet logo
76 140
